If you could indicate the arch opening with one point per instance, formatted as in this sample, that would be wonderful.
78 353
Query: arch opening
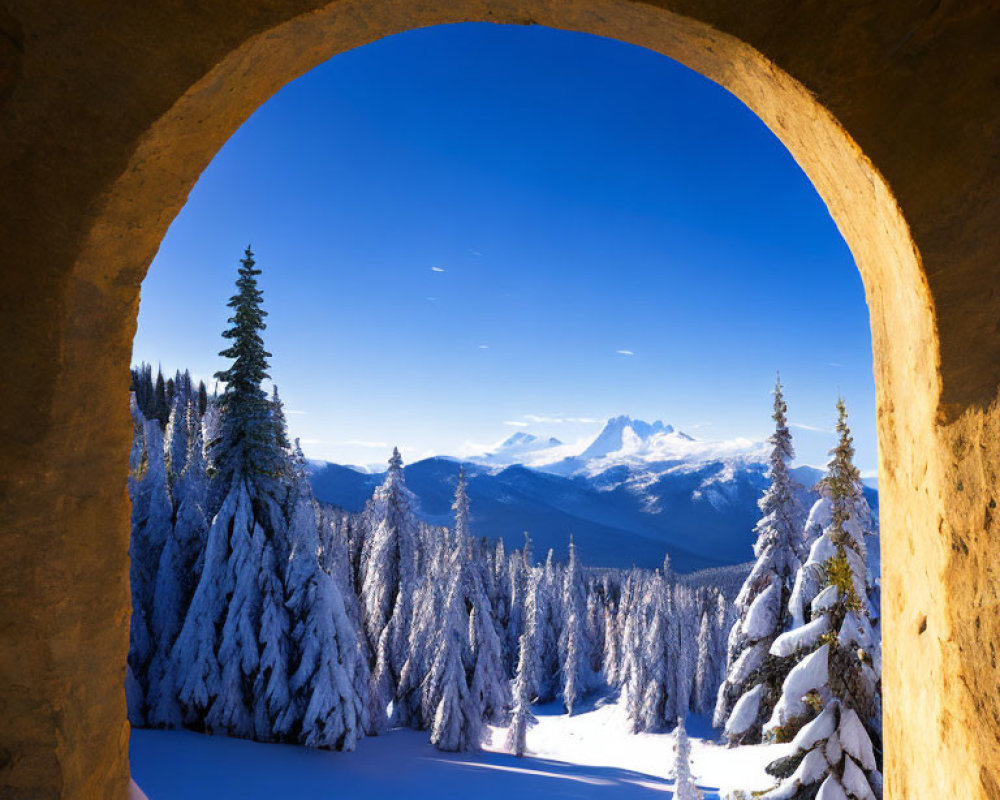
934 400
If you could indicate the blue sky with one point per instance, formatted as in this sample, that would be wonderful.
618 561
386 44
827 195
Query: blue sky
474 229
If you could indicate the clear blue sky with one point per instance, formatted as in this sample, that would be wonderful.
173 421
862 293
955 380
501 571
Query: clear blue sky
461 227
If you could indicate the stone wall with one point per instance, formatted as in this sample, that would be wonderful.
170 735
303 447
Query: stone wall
109 111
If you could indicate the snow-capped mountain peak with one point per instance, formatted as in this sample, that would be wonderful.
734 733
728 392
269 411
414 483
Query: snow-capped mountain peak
518 448
623 440
623 432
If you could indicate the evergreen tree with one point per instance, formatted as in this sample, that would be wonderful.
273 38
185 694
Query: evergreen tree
194 657
832 757
202 398
176 579
457 718
703 690
519 578
654 703
763 600
151 529
521 718
161 406
612 655
834 651
274 712
179 431
488 684
246 446
279 421
684 785
239 653
221 636
633 670
499 592
332 712
389 582
574 642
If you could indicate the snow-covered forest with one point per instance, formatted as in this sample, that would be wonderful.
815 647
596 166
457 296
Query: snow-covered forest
259 613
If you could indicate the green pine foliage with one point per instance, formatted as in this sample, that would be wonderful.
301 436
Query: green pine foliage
247 444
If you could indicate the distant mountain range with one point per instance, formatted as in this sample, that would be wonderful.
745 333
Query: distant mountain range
639 490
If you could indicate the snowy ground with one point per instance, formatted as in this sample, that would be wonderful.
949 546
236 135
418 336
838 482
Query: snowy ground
589 755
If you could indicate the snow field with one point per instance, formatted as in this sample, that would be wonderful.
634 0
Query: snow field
588 755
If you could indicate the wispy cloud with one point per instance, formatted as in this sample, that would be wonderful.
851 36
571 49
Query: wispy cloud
437 269
625 352
835 364
804 427
360 443
476 253
431 299
484 347
516 423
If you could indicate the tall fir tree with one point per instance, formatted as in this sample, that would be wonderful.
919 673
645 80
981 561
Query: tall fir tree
389 583
754 677
521 716
834 652
457 720
151 530
574 641
246 445
332 712
220 642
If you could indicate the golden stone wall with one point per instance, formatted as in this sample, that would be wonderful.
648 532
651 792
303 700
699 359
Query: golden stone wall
109 111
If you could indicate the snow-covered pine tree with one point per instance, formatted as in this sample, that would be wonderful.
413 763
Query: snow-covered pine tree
428 603
521 716
335 541
202 398
835 657
178 434
324 638
682 645
684 786
574 642
245 445
239 653
540 622
595 635
499 592
274 713
217 653
488 682
612 654
632 674
161 405
519 572
654 705
704 687
176 580
546 624
763 600
194 657
832 757
151 528
389 580
457 722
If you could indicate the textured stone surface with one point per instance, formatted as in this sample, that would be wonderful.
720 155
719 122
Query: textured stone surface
108 113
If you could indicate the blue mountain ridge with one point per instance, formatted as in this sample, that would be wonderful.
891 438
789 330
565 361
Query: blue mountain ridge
702 515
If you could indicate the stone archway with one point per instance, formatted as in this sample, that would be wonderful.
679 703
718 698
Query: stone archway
108 116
